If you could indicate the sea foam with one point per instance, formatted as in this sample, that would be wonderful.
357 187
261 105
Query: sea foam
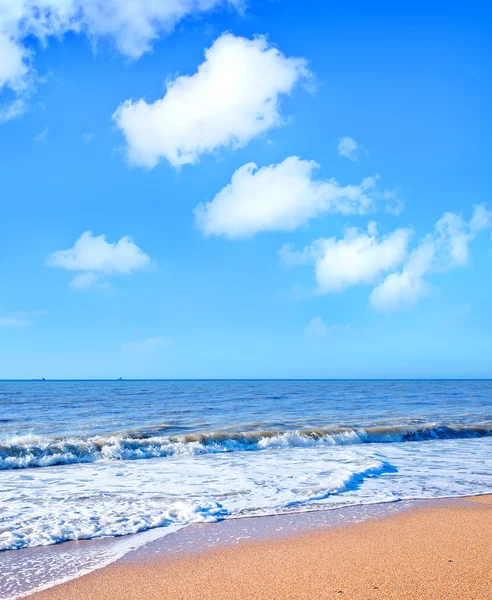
36 451
113 498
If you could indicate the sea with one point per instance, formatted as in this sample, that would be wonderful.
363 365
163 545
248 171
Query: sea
83 460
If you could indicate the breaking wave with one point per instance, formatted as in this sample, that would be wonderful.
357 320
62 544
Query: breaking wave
33 452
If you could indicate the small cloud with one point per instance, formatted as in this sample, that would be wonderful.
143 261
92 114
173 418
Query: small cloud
349 148
11 111
317 328
88 137
481 218
41 137
94 257
145 346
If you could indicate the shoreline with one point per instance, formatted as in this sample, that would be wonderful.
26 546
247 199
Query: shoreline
171 540
199 546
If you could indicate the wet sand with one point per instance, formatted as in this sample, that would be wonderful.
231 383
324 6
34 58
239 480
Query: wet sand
434 553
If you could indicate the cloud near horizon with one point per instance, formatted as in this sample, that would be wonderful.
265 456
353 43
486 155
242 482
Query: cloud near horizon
94 258
233 97
280 197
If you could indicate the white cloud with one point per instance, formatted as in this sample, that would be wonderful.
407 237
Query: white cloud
279 197
349 148
13 59
444 249
399 291
131 26
94 253
146 346
481 219
233 97
365 258
93 256
317 328
357 258
451 241
12 110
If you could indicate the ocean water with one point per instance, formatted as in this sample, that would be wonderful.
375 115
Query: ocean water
84 460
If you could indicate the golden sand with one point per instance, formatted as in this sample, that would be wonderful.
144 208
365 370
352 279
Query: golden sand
423 554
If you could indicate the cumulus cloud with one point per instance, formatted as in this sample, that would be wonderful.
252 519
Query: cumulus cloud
399 275
130 25
358 258
349 148
280 197
94 257
445 248
233 97
317 328
146 346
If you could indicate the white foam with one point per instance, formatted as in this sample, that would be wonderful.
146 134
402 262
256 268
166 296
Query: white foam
28 451
115 498
47 506
28 575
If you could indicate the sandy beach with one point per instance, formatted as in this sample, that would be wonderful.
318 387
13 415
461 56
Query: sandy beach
442 552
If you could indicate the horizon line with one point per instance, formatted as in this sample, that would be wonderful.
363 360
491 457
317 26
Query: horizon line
233 379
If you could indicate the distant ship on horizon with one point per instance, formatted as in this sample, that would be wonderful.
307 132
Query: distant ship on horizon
42 379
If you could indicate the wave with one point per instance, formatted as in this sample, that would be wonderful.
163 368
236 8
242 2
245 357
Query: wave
34 452
113 517
78 516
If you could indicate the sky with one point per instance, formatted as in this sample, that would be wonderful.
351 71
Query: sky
245 189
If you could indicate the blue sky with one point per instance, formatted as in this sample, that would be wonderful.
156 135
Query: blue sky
284 271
